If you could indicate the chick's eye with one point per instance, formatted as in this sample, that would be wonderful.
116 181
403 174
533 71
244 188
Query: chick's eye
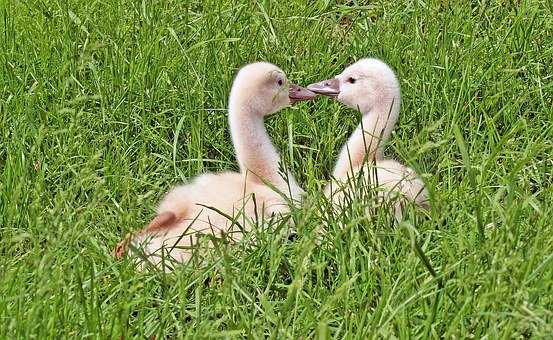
351 80
279 82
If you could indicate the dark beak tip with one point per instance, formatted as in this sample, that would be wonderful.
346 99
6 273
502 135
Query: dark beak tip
302 96
298 93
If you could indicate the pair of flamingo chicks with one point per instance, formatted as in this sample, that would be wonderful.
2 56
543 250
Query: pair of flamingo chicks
204 205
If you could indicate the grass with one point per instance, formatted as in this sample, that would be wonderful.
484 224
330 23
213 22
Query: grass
106 104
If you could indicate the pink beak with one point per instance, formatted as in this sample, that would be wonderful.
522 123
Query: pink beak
297 93
329 87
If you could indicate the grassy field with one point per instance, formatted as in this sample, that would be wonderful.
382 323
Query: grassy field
106 104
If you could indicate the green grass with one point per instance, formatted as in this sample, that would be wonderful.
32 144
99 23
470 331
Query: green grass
106 104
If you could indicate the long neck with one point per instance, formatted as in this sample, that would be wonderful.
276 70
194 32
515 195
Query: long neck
368 139
258 158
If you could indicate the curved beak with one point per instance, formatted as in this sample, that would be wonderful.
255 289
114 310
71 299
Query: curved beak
297 93
329 87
